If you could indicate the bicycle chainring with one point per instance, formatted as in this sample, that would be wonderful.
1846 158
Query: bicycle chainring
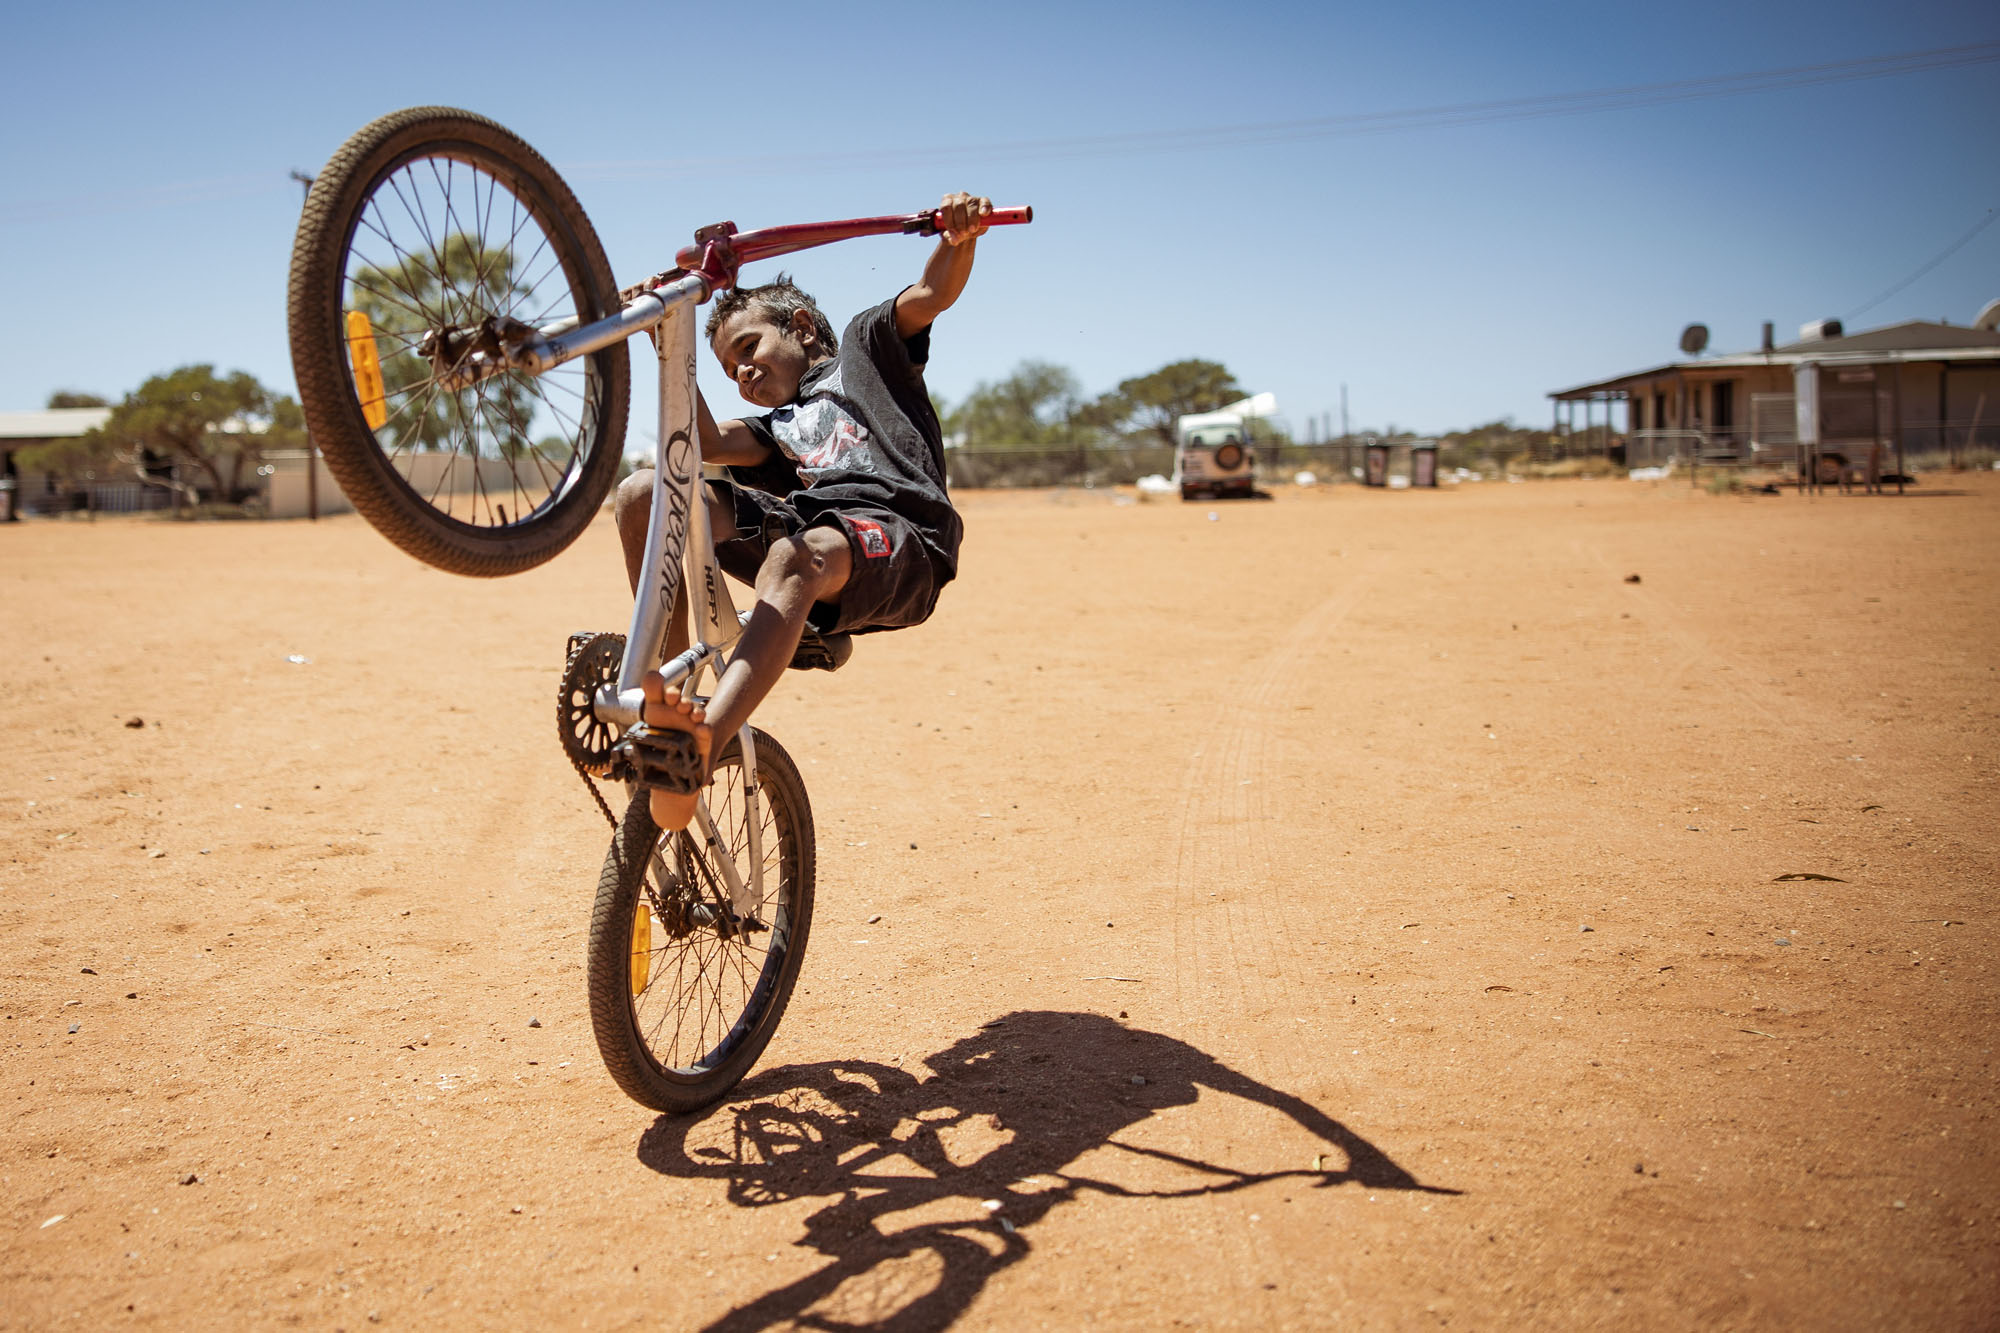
593 664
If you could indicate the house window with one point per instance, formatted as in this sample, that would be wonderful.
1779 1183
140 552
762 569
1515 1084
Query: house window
1725 404
1659 411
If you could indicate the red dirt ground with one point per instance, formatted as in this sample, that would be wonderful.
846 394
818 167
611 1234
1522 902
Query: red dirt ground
1431 874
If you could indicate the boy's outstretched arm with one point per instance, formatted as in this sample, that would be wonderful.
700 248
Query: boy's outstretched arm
949 265
730 443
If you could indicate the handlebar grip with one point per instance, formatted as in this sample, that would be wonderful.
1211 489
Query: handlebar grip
1014 215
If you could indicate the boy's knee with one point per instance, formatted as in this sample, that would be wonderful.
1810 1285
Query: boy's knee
632 503
815 557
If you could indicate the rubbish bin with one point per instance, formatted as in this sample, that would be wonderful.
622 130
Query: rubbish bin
1423 465
1376 464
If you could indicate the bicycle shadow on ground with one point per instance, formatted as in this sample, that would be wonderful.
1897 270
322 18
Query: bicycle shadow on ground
1005 1116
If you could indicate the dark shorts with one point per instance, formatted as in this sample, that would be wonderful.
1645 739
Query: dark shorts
894 582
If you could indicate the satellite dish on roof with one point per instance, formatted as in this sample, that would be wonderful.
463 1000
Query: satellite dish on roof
1989 318
1694 339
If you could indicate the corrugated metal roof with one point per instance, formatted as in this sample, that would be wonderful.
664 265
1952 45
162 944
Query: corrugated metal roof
1912 336
1912 341
52 423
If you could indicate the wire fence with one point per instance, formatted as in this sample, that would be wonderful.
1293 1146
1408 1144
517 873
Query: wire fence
1123 463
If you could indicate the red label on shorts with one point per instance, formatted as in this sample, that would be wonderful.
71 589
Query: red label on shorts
874 542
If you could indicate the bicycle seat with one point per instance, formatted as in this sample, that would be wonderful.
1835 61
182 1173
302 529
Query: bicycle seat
822 652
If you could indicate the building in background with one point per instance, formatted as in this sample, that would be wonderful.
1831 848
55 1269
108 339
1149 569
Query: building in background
1911 389
26 492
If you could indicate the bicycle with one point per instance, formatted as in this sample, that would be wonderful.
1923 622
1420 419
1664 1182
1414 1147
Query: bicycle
429 355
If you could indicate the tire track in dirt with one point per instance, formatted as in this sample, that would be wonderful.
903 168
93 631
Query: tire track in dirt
1235 953
1235 958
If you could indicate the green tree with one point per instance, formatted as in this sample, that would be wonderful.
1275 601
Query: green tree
76 398
1034 405
406 301
218 425
1154 402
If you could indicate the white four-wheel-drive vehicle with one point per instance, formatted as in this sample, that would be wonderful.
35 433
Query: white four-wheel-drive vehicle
1214 454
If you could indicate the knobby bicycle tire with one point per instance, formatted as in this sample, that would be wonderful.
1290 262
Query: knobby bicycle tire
396 221
680 1017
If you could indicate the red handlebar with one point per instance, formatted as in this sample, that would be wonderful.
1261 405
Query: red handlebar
719 249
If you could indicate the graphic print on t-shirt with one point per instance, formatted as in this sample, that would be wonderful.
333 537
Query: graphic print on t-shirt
821 435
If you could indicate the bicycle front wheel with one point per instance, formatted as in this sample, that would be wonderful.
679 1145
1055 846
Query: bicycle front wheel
685 991
427 229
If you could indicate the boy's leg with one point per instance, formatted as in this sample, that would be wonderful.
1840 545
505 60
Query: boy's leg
797 571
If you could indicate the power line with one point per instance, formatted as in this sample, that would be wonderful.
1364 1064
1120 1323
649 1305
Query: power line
1452 116
1992 215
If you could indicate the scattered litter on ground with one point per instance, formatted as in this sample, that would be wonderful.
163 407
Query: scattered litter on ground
1807 874
135 722
298 659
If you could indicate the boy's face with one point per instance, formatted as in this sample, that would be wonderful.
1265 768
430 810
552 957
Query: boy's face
766 359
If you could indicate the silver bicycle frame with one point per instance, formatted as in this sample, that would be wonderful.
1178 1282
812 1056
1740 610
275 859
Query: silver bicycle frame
679 547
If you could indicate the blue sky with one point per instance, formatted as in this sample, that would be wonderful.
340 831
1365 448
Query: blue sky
1446 275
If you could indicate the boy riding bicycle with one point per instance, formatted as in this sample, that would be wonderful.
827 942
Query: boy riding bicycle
836 510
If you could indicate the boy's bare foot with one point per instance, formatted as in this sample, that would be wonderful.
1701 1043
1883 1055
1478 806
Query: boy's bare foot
665 710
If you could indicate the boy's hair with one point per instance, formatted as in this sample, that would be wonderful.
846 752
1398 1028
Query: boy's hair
780 299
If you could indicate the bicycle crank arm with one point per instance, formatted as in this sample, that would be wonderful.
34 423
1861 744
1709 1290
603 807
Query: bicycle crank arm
622 708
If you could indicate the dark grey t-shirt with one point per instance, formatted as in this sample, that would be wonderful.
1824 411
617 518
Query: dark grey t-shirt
862 435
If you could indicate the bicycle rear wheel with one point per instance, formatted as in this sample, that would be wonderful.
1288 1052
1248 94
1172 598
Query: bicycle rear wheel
684 993
426 225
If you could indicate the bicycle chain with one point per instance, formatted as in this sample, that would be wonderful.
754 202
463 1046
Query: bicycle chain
595 794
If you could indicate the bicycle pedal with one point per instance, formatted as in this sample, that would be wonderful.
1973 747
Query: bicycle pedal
666 759
822 652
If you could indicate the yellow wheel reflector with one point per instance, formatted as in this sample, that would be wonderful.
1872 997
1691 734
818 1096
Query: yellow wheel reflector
367 369
642 948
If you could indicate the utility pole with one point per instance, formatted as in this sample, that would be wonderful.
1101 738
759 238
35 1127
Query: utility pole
1343 411
312 450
